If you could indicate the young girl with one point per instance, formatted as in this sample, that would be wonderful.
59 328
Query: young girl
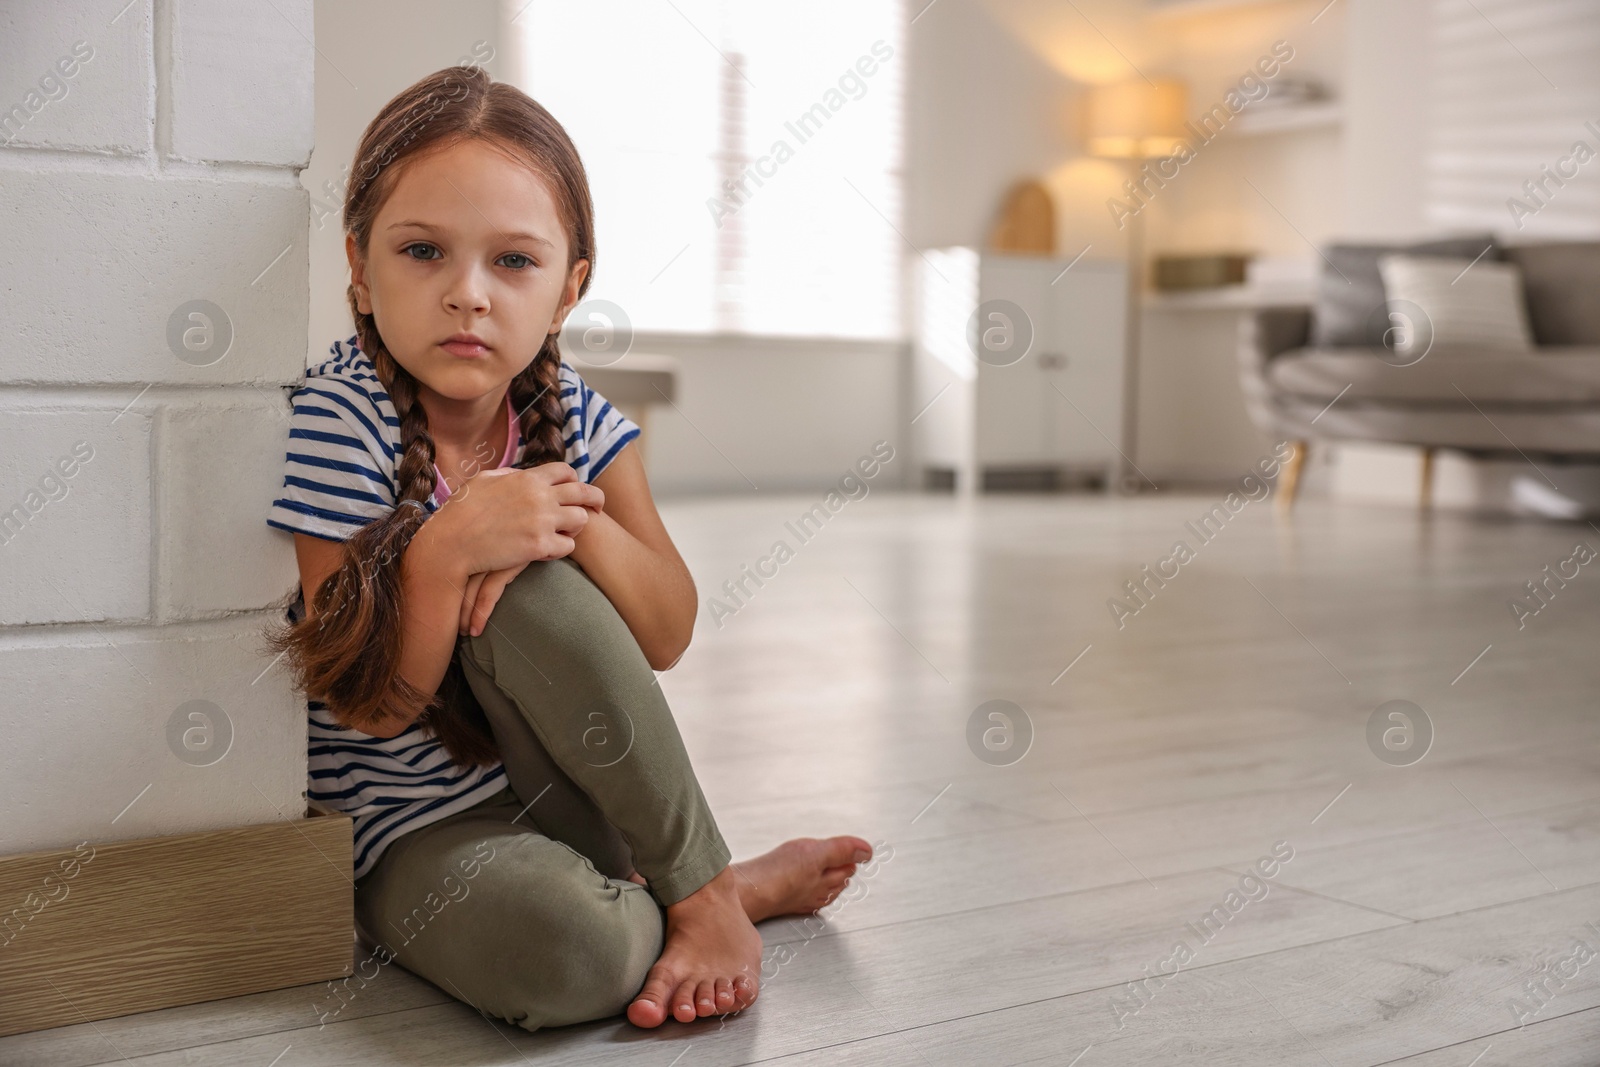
485 589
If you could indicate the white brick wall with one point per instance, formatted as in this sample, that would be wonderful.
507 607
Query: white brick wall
149 160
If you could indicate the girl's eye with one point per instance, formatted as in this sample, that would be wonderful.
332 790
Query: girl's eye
522 262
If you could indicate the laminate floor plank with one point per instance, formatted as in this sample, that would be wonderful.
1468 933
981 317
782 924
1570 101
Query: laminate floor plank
1460 867
1357 1001
1564 1041
390 989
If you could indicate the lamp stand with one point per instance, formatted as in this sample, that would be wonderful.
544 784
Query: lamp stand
1128 475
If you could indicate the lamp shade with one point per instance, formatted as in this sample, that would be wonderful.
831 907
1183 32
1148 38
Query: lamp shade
1136 119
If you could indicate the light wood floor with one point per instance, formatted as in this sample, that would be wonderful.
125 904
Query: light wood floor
1017 901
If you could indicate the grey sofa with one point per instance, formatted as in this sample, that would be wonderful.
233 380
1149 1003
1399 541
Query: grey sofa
1477 400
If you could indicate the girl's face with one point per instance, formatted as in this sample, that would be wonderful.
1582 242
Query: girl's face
469 241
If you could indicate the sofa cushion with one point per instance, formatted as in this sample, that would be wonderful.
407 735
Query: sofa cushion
1351 303
1561 280
1560 375
1454 302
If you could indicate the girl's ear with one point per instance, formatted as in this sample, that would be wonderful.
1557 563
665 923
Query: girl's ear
358 274
569 295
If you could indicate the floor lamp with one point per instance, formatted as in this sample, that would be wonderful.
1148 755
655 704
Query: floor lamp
1140 122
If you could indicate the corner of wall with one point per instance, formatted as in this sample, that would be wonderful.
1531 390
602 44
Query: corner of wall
150 156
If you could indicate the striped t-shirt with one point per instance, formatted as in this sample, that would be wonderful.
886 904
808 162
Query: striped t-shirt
344 445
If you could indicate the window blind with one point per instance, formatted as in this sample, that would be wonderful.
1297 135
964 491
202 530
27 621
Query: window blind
1514 87
746 166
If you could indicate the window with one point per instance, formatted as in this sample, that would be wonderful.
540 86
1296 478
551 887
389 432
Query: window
1514 86
744 158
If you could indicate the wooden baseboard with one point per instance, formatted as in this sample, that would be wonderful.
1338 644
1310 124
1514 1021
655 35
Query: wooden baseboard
110 929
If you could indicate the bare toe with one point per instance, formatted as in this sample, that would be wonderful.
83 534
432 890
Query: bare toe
801 876
744 992
683 1003
705 1002
832 887
708 936
847 849
649 1007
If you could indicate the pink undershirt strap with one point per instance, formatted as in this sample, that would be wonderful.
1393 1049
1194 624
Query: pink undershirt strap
441 491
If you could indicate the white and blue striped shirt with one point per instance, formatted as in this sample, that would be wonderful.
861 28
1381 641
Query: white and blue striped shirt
344 445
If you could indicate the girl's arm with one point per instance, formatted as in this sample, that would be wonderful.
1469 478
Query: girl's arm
432 581
430 603
626 550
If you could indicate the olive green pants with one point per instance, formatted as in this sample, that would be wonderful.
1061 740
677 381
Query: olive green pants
547 930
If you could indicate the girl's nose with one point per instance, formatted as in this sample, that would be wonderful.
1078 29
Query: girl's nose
468 292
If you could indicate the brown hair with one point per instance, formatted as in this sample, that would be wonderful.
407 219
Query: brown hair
347 651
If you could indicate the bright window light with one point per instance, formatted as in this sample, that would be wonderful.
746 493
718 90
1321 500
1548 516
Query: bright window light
745 159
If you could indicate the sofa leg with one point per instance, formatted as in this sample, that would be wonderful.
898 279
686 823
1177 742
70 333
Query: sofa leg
1292 467
1426 496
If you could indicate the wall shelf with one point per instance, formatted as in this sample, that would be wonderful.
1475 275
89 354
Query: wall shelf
1230 298
1326 114
1179 8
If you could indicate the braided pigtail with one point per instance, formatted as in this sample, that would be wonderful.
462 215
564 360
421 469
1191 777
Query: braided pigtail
536 396
347 651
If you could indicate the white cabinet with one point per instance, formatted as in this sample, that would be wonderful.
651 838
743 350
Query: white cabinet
1017 369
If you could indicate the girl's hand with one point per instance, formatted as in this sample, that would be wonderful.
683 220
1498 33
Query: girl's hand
483 593
507 517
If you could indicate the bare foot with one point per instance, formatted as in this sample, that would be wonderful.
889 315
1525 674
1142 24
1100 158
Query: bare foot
799 876
711 962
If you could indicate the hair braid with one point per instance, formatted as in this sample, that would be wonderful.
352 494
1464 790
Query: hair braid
536 396
349 656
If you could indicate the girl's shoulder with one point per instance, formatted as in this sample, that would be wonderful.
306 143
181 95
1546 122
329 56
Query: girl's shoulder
571 383
576 399
342 449
347 364
348 384
596 431
576 394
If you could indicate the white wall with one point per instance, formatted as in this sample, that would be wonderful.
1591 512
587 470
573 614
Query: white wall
1275 196
996 94
1504 116
988 104
1438 139
1271 195
1384 173
134 484
772 414
373 49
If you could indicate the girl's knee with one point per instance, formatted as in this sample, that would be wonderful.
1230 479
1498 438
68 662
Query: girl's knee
555 608
548 596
